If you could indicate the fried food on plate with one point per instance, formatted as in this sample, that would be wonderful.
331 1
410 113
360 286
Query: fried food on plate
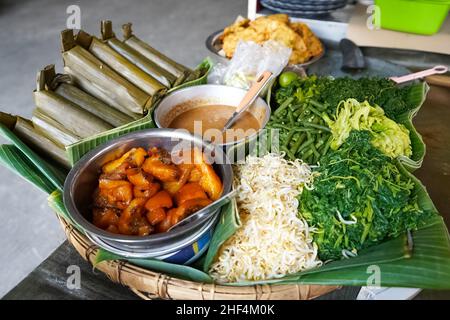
295 35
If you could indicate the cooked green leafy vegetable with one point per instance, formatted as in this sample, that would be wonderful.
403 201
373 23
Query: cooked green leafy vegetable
359 198
330 92
388 136
380 91
302 105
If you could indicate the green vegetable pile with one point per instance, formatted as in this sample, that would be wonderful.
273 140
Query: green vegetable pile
388 136
302 105
359 198
299 118
380 91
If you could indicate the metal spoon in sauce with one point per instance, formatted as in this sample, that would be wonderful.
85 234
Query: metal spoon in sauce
206 210
249 98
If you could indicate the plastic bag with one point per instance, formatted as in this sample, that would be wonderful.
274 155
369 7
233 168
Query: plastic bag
249 61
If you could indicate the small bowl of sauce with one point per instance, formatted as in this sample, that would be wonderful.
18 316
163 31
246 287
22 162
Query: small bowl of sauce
203 111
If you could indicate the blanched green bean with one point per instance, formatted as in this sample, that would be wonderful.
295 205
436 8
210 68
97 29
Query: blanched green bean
315 111
305 145
306 156
314 150
288 153
317 126
327 146
299 111
283 106
291 117
318 105
288 138
297 144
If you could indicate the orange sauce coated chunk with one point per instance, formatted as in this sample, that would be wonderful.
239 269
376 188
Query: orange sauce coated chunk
173 186
141 192
132 220
191 190
160 167
148 192
164 225
116 191
195 175
133 158
160 200
190 206
139 178
105 217
209 180
156 216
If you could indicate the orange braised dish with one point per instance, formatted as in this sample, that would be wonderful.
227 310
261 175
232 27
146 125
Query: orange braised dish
144 192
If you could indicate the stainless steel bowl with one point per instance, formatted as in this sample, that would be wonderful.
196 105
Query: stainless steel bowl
209 94
180 252
83 179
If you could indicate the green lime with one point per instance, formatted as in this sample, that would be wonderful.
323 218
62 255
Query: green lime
286 78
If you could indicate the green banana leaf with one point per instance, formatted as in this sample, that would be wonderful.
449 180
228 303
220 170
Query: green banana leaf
428 267
13 159
206 64
416 97
78 149
55 175
417 144
174 270
228 224
56 202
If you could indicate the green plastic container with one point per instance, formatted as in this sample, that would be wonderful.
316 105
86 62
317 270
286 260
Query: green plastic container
414 16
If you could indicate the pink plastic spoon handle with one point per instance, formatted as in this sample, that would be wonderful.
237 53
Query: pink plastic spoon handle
420 74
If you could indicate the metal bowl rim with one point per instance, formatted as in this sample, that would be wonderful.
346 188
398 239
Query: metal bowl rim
132 253
228 144
96 152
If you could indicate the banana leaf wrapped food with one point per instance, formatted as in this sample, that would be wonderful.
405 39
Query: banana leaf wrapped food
85 68
72 117
24 129
93 105
176 69
163 76
88 87
61 84
52 129
122 66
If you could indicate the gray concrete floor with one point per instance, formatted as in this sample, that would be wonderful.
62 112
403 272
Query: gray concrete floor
29 40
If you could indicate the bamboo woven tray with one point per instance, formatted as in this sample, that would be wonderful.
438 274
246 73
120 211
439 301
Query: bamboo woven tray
153 285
